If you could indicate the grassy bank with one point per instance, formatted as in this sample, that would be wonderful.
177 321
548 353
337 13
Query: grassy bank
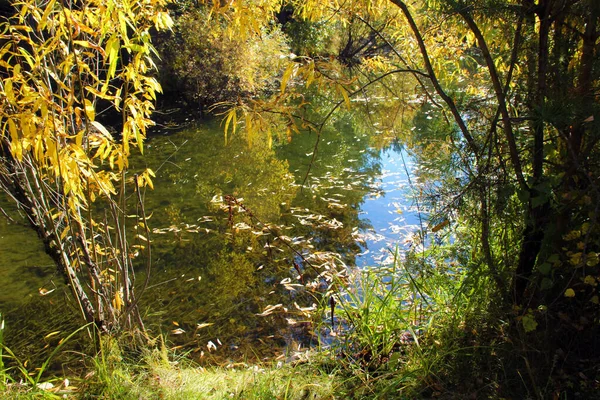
110 375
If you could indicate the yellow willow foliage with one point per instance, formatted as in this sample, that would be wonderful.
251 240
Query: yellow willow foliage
61 62
60 59
250 17
450 44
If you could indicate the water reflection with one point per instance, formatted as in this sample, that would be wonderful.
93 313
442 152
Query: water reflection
219 265
24 267
392 210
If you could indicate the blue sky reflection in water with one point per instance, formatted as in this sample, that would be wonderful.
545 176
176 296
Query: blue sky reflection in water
391 210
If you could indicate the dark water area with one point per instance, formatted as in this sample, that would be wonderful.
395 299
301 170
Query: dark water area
241 235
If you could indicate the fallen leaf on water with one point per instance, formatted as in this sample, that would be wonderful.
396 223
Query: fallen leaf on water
270 309
51 334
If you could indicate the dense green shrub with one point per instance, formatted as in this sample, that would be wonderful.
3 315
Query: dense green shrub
203 64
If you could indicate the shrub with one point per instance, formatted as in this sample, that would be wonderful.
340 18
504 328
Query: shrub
204 64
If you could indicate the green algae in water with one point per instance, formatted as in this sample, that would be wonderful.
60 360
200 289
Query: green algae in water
24 266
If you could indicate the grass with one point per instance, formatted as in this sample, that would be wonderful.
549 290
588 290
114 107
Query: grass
254 382
158 376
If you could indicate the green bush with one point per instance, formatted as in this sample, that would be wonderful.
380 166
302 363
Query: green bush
203 64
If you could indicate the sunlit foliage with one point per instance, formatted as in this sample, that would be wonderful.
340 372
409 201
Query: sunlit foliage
203 62
505 105
63 65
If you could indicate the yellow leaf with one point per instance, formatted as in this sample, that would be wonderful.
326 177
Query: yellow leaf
118 301
84 43
12 128
345 95
90 111
8 91
51 334
44 18
163 21
286 76
112 50
589 280
102 129
575 259
230 116
592 259
569 293
101 94
149 182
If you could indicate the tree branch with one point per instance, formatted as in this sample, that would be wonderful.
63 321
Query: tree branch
500 95
436 84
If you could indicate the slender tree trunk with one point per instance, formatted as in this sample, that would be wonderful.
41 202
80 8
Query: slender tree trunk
538 210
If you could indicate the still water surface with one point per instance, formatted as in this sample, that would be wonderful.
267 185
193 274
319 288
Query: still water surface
214 272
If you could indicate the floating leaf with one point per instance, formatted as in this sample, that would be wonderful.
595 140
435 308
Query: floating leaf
51 334
269 310
45 292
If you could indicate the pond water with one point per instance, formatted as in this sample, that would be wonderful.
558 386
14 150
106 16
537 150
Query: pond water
216 268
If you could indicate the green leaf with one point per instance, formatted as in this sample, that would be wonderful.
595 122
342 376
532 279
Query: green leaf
545 268
539 200
529 323
523 195
546 284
